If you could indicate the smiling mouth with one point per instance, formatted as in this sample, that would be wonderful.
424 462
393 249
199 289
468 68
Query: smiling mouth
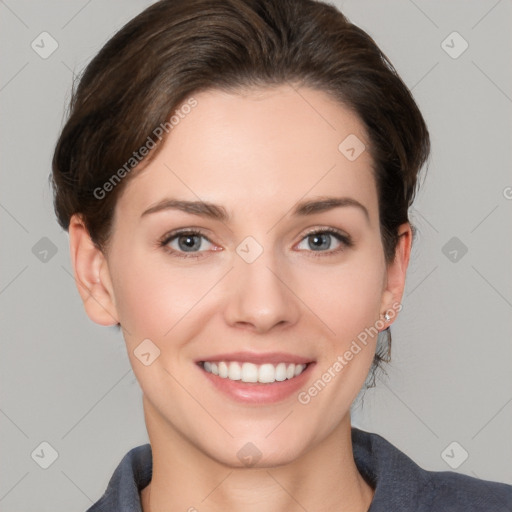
253 373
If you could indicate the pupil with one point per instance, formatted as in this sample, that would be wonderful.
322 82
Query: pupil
320 241
188 242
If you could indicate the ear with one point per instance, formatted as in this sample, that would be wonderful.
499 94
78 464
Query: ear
92 275
396 272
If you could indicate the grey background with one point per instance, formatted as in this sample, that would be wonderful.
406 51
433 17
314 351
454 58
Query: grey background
67 381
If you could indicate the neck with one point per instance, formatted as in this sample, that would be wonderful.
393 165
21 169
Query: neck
323 479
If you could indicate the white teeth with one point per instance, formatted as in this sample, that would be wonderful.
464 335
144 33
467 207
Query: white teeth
235 371
267 373
280 372
249 372
223 369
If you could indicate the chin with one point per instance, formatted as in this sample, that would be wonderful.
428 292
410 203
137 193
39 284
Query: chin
256 452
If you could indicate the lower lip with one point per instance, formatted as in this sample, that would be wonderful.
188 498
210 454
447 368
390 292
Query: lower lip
257 393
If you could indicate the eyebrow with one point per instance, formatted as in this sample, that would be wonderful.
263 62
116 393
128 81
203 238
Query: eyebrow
217 212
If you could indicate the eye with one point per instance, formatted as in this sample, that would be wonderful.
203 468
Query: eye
193 244
185 243
323 240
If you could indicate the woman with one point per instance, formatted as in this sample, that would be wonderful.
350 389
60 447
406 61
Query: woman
235 176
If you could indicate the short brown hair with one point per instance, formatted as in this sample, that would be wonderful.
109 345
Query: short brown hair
179 47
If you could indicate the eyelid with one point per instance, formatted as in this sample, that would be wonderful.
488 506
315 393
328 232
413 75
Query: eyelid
327 229
165 239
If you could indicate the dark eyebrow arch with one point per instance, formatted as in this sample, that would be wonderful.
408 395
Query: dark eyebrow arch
201 208
216 212
322 204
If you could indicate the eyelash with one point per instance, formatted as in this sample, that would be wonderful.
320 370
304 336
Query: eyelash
346 241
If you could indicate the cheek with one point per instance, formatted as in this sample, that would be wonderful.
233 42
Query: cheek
348 301
346 297
153 295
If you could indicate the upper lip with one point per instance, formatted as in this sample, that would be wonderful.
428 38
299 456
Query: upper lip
258 358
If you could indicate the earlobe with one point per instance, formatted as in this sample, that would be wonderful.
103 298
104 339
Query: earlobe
396 273
92 276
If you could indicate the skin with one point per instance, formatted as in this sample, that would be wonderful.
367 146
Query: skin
256 153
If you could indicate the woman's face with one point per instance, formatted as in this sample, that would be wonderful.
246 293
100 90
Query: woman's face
251 284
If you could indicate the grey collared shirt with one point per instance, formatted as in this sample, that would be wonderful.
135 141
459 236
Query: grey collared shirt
400 484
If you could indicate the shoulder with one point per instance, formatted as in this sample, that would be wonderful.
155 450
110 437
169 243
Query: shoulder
452 491
402 485
133 473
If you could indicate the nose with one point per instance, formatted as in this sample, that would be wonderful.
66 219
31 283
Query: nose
261 295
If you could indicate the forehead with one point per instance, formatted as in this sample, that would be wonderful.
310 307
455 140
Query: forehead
258 149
